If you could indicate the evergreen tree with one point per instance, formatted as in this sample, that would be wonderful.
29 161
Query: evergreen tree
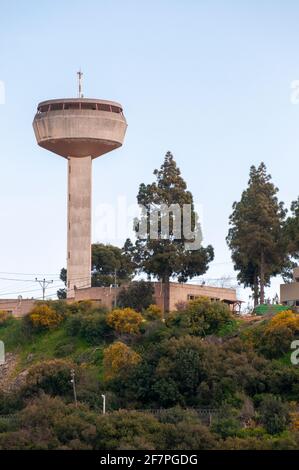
61 293
291 234
171 256
256 234
109 263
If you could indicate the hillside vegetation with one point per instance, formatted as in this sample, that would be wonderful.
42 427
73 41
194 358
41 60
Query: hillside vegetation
160 377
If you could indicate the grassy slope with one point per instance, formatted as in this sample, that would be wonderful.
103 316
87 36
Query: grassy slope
57 343
46 346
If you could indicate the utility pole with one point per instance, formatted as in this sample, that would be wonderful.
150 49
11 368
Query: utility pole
44 284
115 293
104 404
74 386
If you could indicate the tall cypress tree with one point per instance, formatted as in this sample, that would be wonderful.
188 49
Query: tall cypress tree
167 258
256 233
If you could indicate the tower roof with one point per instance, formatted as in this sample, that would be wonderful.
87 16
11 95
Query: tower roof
79 100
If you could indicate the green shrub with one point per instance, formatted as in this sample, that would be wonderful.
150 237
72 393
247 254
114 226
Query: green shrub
139 296
92 327
83 307
51 377
202 317
64 349
273 414
228 328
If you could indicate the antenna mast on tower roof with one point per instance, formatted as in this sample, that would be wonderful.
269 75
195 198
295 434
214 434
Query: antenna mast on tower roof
80 77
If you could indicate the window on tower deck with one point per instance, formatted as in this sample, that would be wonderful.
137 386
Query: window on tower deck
91 106
43 109
56 106
104 107
71 105
116 109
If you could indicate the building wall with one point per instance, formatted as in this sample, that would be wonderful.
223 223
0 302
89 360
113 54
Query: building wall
17 307
185 292
289 293
106 296
178 293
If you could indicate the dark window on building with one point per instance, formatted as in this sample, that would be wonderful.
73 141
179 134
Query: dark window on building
192 297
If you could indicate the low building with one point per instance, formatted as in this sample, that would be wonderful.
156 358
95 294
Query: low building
178 293
106 296
17 307
289 293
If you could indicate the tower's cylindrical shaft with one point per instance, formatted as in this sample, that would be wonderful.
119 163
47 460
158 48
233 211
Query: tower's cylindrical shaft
79 224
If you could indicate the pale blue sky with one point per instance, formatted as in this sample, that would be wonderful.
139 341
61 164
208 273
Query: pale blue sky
208 80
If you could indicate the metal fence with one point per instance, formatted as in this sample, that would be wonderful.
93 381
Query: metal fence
205 414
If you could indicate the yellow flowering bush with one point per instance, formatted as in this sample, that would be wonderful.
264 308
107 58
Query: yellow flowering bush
285 319
125 320
43 316
118 359
153 312
4 315
279 333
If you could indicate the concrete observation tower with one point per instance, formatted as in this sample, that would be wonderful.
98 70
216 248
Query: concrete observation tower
79 129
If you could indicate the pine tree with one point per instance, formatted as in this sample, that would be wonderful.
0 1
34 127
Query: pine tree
256 234
166 258
291 234
110 264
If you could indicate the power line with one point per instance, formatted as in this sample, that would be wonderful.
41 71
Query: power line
26 291
11 279
57 285
20 280
30 274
